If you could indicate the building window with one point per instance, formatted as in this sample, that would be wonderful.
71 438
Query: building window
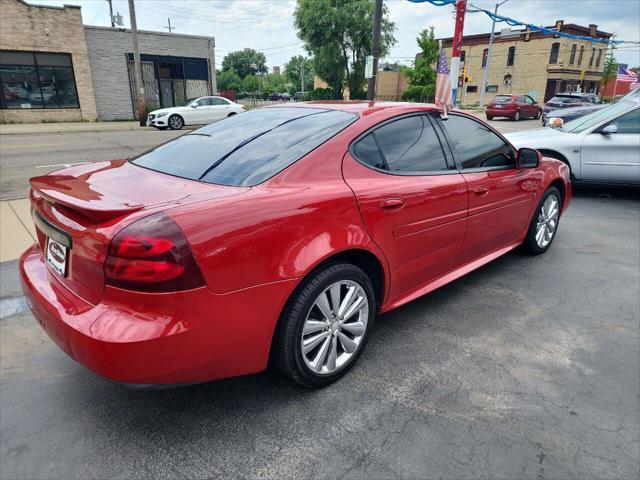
37 80
472 89
462 56
593 54
555 49
485 55
510 56
599 58
572 58
580 54
491 88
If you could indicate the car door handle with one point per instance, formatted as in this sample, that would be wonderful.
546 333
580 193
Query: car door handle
392 203
480 191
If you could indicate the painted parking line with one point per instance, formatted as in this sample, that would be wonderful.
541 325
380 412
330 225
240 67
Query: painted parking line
65 165
35 145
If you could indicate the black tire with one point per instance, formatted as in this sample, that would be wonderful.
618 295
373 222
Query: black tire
175 122
161 128
538 115
530 244
516 116
287 348
489 117
231 114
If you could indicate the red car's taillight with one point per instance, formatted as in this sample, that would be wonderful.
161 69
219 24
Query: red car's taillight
152 255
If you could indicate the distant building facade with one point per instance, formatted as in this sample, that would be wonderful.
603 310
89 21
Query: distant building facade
54 68
531 62
276 70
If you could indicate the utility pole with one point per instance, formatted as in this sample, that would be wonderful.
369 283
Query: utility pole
302 76
486 67
170 28
375 50
113 24
461 8
137 65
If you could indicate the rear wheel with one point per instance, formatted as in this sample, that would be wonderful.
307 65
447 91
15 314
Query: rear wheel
516 116
544 223
325 325
175 122
489 117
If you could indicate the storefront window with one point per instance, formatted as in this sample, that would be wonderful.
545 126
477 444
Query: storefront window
37 80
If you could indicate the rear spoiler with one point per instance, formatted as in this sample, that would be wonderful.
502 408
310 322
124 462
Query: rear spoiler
78 195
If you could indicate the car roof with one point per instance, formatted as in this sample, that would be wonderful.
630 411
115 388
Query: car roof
360 107
575 94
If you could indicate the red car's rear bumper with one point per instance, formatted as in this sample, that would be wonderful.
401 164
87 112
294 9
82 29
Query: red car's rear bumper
501 112
167 338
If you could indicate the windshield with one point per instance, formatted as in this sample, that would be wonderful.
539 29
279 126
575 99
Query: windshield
592 119
249 148
190 101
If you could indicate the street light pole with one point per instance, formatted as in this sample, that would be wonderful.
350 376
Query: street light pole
375 49
486 67
136 65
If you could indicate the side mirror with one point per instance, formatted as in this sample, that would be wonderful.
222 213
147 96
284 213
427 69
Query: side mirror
609 129
194 105
528 158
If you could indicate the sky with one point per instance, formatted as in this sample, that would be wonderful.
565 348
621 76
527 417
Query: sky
268 25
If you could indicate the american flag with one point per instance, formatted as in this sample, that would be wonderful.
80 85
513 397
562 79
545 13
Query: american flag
443 84
626 75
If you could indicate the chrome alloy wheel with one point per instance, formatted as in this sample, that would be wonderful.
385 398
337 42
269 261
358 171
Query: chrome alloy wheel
547 221
175 122
334 327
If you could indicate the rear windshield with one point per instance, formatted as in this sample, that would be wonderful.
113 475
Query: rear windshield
502 98
565 99
249 148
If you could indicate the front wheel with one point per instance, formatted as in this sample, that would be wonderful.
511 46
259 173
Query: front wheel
175 122
489 117
325 326
538 114
544 223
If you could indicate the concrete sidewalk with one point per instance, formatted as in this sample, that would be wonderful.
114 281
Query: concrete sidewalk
68 127
17 231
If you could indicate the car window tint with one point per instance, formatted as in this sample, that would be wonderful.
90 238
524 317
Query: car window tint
629 122
246 149
366 150
203 102
219 101
476 145
410 145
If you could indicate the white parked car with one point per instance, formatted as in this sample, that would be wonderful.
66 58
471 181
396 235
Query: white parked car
601 147
195 111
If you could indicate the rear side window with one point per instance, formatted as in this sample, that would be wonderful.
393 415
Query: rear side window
407 145
246 149
476 145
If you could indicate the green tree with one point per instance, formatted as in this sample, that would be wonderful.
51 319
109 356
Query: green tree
338 34
228 80
274 82
293 72
610 68
251 84
423 73
245 62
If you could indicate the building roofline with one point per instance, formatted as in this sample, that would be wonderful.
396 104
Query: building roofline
151 32
55 7
567 27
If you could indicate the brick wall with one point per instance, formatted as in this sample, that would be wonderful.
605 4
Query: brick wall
49 29
108 48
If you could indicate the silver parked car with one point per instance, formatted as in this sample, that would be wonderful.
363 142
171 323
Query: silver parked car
601 147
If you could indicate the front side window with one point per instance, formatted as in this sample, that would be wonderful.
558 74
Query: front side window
572 58
476 145
37 80
247 149
203 102
628 123
407 145
599 116
555 49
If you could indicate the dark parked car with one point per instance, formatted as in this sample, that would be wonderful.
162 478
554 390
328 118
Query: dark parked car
570 100
275 96
513 106
567 114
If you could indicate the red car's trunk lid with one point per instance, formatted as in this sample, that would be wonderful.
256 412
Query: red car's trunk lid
90 203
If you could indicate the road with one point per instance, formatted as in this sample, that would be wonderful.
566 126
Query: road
25 156
526 368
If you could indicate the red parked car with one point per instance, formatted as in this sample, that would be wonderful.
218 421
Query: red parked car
276 235
514 107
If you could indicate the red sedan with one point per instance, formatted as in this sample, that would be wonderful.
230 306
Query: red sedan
514 107
276 236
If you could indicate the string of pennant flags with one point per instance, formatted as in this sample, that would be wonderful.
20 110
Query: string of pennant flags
534 28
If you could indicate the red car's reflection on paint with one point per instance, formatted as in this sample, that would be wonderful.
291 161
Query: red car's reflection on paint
278 235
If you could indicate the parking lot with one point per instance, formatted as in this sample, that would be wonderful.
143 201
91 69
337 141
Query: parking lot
526 368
